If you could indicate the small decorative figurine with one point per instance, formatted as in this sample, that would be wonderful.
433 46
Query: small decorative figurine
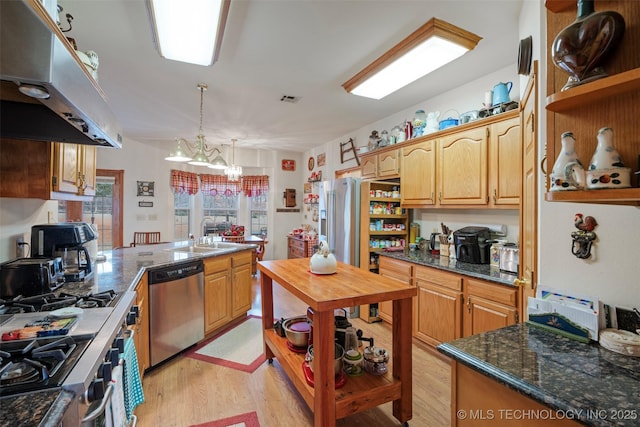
584 237
419 123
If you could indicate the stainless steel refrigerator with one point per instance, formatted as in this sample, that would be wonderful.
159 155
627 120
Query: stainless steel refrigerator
339 219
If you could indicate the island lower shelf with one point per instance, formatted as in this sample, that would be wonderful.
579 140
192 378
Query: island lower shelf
358 394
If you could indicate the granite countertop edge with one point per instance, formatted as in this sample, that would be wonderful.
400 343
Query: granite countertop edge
480 271
513 382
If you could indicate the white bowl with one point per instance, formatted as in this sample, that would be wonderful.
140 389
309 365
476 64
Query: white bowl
608 178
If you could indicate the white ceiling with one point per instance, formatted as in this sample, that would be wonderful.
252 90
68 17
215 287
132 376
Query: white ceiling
271 48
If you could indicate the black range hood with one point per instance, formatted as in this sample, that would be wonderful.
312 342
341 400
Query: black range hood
35 53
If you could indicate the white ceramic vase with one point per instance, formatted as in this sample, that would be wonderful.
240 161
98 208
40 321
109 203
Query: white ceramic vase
567 172
606 169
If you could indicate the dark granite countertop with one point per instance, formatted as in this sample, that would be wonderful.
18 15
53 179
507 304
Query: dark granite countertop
480 271
595 385
124 267
120 272
44 408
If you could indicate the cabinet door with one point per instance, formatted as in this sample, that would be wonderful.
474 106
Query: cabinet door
388 164
463 159
505 144
65 167
483 315
439 313
142 331
217 297
398 270
241 290
368 166
418 174
87 166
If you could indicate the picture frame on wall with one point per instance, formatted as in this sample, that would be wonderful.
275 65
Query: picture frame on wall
145 188
307 187
288 165
322 159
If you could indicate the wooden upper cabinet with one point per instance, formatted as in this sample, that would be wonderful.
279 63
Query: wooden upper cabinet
369 166
65 167
463 160
74 169
418 174
505 163
389 164
46 170
380 165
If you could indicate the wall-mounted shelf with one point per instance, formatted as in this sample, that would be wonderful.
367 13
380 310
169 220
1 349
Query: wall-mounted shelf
607 102
619 196
595 91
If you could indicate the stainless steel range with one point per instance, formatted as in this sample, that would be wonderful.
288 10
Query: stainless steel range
79 362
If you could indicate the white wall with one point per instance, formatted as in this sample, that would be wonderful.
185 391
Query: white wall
145 162
16 218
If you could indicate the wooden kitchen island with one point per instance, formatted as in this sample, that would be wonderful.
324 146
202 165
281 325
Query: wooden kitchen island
349 287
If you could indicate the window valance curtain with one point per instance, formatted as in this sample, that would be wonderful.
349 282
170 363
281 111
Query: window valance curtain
184 182
255 185
219 185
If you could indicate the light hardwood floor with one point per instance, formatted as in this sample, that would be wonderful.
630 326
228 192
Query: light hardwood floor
186 391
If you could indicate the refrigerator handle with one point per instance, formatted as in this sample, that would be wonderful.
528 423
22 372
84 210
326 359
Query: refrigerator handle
331 220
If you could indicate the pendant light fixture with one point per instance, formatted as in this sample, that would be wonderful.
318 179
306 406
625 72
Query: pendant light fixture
233 172
183 150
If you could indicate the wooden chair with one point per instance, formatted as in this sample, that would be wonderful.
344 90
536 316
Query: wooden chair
145 238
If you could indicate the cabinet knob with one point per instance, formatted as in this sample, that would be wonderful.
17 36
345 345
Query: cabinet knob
522 282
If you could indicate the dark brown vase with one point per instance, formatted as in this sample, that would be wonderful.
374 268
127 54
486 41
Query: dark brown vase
581 48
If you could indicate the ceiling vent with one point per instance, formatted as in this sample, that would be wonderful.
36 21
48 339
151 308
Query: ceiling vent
289 98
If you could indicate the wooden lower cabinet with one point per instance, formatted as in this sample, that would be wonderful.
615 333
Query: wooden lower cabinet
438 305
227 289
141 327
299 248
241 284
399 270
488 306
477 400
450 305
217 293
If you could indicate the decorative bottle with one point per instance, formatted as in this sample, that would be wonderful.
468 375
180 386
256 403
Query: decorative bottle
606 169
581 48
566 158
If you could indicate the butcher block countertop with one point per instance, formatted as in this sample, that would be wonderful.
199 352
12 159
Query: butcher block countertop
593 385
349 286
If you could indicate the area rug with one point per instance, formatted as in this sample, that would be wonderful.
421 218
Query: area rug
240 347
250 419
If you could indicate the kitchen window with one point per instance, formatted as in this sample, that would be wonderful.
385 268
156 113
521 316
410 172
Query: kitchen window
258 215
181 216
222 208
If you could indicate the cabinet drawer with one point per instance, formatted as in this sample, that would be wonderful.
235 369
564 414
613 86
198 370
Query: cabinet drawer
396 268
216 264
241 259
492 292
296 252
448 280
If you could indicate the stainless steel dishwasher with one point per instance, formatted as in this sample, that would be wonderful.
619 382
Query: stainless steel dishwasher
176 309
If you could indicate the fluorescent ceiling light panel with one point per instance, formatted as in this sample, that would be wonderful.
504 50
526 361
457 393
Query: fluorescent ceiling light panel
189 30
430 47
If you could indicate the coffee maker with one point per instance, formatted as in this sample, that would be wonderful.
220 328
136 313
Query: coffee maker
67 240
472 244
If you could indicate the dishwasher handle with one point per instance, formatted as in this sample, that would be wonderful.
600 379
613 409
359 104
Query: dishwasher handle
175 272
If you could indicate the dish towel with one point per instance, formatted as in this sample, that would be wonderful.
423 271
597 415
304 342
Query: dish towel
115 414
133 394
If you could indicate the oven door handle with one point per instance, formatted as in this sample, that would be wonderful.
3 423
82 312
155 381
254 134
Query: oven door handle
100 409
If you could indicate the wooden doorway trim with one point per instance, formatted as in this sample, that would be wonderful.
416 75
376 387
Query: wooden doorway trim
118 201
